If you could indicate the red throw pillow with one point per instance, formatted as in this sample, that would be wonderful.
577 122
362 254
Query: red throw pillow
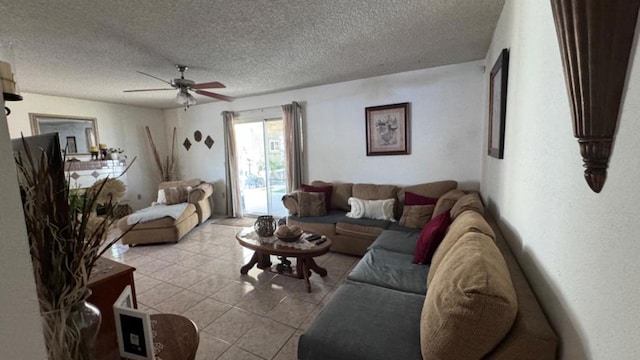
327 190
415 199
430 237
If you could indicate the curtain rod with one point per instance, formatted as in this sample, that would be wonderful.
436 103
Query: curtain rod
260 109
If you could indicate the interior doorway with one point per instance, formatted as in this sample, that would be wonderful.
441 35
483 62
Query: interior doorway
261 166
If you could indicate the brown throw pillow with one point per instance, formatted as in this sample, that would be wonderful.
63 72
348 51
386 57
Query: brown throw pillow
471 304
415 216
311 204
176 195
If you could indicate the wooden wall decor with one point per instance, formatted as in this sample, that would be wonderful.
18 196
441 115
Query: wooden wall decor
595 39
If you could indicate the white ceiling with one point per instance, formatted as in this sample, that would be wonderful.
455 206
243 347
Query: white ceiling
91 49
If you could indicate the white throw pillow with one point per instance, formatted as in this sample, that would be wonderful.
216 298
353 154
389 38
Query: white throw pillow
372 209
161 197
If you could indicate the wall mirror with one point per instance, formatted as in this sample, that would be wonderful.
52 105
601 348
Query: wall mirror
77 134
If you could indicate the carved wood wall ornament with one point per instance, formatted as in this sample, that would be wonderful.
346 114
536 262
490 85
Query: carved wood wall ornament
595 39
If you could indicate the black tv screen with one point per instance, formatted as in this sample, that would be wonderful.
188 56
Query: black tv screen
50 144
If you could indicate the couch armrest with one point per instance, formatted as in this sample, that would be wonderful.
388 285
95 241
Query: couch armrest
290 201
200 192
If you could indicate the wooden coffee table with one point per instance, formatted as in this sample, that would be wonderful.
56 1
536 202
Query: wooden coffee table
303 251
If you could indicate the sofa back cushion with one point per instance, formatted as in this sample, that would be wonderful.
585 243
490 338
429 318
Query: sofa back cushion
471 303
340 193
468 221
467 202
374 192
446 201
171 184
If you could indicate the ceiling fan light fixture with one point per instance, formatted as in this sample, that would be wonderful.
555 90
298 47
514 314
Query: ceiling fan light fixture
185 99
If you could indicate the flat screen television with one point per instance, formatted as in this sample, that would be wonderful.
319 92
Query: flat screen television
50 144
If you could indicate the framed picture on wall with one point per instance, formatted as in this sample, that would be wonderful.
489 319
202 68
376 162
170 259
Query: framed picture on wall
498 104
387 129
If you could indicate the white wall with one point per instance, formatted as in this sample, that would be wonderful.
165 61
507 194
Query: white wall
446 123
21 335
118 126
579 249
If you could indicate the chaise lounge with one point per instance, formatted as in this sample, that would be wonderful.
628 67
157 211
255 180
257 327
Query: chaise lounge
181 206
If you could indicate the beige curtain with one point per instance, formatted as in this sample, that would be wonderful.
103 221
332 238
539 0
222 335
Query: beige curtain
294 145
234 205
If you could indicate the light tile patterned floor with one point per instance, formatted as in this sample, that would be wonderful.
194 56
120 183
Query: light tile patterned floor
255 316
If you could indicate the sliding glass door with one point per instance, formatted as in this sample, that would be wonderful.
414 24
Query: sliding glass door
261 166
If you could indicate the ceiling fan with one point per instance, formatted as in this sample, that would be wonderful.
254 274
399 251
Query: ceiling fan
184 85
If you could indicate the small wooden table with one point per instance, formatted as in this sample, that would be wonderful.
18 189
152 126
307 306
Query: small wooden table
107 281
303 251
175 336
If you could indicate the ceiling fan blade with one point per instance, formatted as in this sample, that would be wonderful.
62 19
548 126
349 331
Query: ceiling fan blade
214 95
155 77
209 85
146 90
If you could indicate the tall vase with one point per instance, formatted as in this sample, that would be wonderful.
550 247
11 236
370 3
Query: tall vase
70 333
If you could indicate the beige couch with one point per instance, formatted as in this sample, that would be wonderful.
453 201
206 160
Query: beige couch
355 236
167 229
472 302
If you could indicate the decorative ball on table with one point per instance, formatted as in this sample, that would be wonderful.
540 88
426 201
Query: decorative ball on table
288 233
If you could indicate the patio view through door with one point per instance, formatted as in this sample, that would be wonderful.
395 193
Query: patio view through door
261 166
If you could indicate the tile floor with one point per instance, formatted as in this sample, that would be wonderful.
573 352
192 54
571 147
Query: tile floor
255 316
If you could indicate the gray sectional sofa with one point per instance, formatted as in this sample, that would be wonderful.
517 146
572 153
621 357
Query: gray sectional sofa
472 302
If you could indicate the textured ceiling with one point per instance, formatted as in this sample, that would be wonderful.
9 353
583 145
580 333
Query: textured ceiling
91 49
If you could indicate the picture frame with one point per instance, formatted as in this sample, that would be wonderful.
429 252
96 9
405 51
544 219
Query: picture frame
133 327
71 145
387 129
498 104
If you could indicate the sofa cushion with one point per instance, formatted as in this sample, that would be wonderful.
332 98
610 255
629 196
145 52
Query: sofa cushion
471 303
366 228
326 190
311 204
374 192
397 241
467 202
332 217
416 216
430 237
392 270
371 209
468 221
383 327
446 201
340 193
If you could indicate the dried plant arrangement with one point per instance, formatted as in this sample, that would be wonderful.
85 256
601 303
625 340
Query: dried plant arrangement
65 240
168 169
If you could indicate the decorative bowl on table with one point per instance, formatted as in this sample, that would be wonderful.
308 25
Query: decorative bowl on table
292 238
288 233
